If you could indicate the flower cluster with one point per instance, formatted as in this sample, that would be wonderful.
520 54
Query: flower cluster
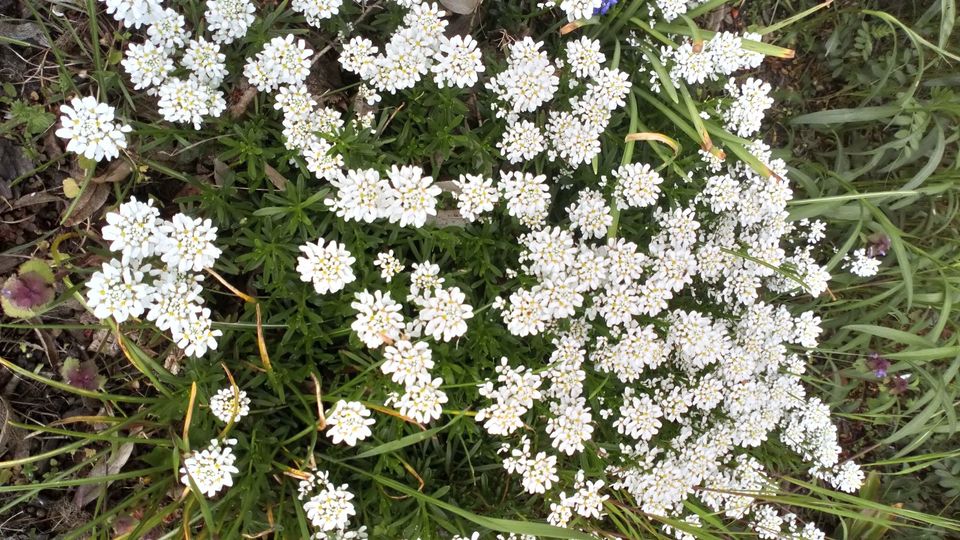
416 49
694 390
696 63
443 316
91 129
349 422
171 293
212 468
531 80
327 506
230 404
860 263
649 288
190 97
405 196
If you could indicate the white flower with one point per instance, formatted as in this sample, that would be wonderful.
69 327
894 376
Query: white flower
349 422
188 101
321 161
360 195
477 195
379 319
424 278
358 56
328 265
584 56
295 101
168 30
230 404
330 509
522 141
580 9
134 13
422 401
530 79
211 469
570 427
228 20
282 61
389 265
672 9
411 197
591 214
206 61
589 502
862 264
638 185
196 336
527 196
539 473
848 477
133 230
445 313
147 64
91 129
175 297
315 11
751 103
458 62
189 243
118 291
407 362
575 138
527 313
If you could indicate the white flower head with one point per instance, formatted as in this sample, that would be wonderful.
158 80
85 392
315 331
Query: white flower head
349 422
328 265
188 244
212 468
133 230
230 404
91 129
445 313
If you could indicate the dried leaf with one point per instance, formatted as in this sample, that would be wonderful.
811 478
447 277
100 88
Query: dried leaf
70 188
275 177
462 7
87 493
118 171
37 197
93 199
238 107
221 172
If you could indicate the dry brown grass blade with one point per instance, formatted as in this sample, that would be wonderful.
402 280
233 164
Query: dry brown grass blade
189 417
321 418
570 27
653 136
394 414
261 343
244 296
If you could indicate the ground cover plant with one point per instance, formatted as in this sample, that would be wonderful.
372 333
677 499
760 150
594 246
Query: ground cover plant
406 269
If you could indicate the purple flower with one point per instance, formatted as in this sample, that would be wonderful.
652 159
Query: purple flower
878 364
605 7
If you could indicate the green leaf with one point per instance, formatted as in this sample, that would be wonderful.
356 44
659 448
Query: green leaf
403 442
897 336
